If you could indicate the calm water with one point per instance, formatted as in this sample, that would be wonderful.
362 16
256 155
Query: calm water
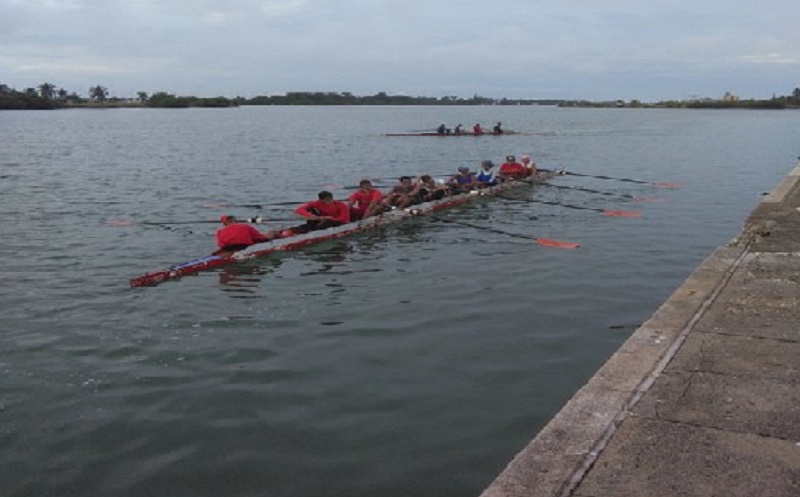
415 360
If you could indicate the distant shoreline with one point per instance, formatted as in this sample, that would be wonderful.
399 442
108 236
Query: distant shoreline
45 98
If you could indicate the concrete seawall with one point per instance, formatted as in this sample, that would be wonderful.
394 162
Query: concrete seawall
704 398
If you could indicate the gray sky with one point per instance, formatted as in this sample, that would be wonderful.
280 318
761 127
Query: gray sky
593 49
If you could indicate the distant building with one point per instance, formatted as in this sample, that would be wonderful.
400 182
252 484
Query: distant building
730 97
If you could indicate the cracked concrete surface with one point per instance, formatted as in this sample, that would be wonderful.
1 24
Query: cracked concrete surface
704 398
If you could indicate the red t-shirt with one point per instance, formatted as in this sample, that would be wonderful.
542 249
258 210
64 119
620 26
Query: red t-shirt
514 169
363 199
337 210
239 234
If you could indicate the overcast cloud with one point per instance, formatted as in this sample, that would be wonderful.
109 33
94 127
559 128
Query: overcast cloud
597 50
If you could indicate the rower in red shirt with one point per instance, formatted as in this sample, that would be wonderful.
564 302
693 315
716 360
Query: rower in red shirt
324 213
365 202
237 236
511 169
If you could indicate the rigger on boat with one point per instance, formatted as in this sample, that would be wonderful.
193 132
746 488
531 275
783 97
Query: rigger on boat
299 239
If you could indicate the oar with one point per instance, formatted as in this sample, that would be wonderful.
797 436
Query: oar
545 242
605 212
635 198
248 206
659 184
243 206
250 220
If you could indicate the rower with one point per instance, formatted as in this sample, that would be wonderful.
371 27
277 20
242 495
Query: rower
323 213
498 128
458 129
511 169
486 176
365 202
237 236
442 129
463 182
401 195
427 189
525 160
477 129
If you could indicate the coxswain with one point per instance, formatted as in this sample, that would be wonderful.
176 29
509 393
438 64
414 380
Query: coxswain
498 128
525 160
236 236
365 202
511 169
401 195
477 129
463 181
486 176
323 213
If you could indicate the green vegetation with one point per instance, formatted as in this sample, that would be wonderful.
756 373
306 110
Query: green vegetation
48 96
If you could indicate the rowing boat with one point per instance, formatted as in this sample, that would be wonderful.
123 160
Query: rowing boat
470 133
305 239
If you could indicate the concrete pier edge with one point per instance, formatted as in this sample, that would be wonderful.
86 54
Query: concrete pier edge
562 453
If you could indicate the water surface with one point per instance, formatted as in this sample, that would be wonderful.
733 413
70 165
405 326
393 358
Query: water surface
413 360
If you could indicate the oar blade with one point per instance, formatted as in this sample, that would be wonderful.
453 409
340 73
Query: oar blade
549 242
613 213
119 223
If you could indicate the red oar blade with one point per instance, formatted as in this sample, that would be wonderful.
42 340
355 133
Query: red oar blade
673 186
613 213
549 242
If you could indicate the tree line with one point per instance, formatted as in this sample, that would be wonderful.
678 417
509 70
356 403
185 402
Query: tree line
49 96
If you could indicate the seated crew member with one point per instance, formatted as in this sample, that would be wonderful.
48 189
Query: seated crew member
458 129
462 182
486 176
442 129
323 213
401 195
237 236
525 160
511 169
477 129
427 189
365 202
498 128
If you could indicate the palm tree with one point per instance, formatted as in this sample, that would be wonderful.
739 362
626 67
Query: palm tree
47 90
98 93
